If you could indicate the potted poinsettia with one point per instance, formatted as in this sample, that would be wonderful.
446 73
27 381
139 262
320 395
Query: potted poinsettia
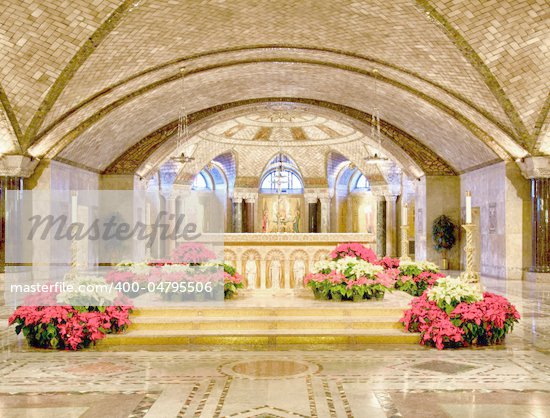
454 313
417 276
352 273
353 250
232 281
59 321
192 253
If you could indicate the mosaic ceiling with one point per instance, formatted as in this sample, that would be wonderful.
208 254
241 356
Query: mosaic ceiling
274 125
472 75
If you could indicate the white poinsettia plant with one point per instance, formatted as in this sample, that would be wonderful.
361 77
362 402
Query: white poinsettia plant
175 268
348 266
448 292
88 291
139 269
418 265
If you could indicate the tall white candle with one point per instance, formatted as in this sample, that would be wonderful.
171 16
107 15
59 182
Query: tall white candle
74 207
405 215
468 207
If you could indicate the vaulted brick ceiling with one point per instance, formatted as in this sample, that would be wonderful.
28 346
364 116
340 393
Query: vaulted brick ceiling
467 79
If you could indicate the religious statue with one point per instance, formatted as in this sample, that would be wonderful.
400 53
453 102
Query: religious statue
275 273
296 222
251 272
299 272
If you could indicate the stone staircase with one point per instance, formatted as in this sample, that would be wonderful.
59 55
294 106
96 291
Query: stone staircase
337 323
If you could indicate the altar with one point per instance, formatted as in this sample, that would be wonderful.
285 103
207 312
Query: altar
281 260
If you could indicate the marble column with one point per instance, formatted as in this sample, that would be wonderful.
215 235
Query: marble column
325 213
381 226
171 209
237 214
248 215
311 213
6 183
540 222
391 225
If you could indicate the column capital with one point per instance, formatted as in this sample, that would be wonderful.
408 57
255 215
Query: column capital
389 197
246 194
17 165
535 167
310 198
177 187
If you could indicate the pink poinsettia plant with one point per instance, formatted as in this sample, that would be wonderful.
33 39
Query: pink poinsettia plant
352 273
191 273
232 281
192 253
388 262
416 277
354 250
46 324
447 319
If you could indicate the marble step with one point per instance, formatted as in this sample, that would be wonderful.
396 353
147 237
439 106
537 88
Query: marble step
261 337
333 309
264 323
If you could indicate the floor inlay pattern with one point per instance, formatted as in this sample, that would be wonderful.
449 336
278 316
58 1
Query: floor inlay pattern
511 380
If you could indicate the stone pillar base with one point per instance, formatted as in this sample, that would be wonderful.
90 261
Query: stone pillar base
535 277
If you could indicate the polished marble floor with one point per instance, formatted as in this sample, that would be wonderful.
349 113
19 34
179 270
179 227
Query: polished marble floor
512 380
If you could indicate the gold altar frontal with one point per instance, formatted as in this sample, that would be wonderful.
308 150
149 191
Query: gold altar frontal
258 317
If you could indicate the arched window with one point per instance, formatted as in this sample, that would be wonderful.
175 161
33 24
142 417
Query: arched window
361 183
202 181
286 180
281 176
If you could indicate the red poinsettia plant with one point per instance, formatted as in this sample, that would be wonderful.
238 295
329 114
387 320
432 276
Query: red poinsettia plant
47 325
446 321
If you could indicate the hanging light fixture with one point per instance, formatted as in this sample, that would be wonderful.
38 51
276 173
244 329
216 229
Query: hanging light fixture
183 125
375 126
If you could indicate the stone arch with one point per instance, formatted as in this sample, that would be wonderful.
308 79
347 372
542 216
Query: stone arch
320 255
230 257
89 133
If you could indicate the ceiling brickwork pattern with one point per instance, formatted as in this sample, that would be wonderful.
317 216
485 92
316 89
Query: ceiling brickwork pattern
507 36
430 88
159 31
446 136
473 112
37 40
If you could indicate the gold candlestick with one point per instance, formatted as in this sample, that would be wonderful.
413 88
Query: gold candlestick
405 243
470 275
